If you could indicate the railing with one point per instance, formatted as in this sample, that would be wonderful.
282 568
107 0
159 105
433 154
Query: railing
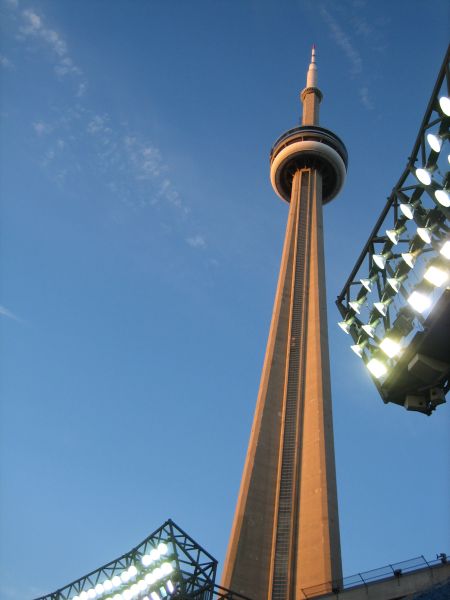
367 577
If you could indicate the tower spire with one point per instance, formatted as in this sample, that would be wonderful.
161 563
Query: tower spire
311 96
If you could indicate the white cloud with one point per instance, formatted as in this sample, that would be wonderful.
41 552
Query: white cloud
33 26
8 314
5 62
365 98
41 128
343 41
196 241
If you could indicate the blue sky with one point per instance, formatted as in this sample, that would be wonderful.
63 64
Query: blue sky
140 248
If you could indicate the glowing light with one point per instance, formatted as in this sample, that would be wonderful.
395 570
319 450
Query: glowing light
166 568
91 593
369 329
125 577
356 306
99 589
367 284
155 596
393 235
434 141
154 554
170 587
409 259
442 197
445 250
132 571
379 260
146 560
157 573
394 283
420 302
436 276
162 548
425 234
345 326
390 347
377 368
107 584
357 349
127 595
381 308
142 585
83 596
424 176
407 210
116 581
149 578
444 103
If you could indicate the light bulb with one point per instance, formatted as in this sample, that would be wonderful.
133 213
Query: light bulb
424 176
379 260
381 308
355 306
409 259
419 301
166 568
357 349
344 326
442 197
394 283
407 210
162 548
425 234
390 347
132 571
444 103
393 235
376 367
436 276
445 250
369 329
434 141
116 581
146 560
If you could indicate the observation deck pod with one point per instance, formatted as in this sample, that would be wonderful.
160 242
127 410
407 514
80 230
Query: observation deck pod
167 565
395 304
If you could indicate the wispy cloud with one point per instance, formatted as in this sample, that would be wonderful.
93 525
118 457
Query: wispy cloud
5 63
343 41
365 97
41 128
5 312
196 241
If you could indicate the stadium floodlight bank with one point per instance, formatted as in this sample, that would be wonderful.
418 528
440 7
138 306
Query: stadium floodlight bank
395 305
167 565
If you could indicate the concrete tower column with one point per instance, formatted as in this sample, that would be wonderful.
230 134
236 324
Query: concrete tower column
285 534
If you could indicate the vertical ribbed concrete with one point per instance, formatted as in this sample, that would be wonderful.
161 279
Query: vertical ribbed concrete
285 534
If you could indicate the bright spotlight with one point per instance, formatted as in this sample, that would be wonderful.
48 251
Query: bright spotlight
376 367
445 250
170 587
345 326
99 589
116 581
409 258
407 210
419 301
356 306
395 284
436 276
434 141
442 197
154 554
425 234
107 584
444 103
132 571
369 329
367 283
162 548
390 347
166 568
146 560
424 176
357 349
125 577
381 308
379 260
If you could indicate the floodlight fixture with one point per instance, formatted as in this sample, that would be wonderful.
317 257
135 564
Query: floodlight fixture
367 283
436 276
409 258
445 250
425 234
444 103
370 329
442 197
358 349
407 209
394 234
381 307
345 325
424 176
419 301
381 259
434 141
377 367
390 346
355 306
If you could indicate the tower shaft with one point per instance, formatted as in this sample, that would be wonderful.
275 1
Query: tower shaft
285 535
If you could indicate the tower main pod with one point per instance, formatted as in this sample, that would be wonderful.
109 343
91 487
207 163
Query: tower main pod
285 534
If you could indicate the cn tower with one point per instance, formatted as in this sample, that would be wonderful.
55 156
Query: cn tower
285 533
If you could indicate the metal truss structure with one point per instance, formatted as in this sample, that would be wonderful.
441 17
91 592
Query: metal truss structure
395 304
168 565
